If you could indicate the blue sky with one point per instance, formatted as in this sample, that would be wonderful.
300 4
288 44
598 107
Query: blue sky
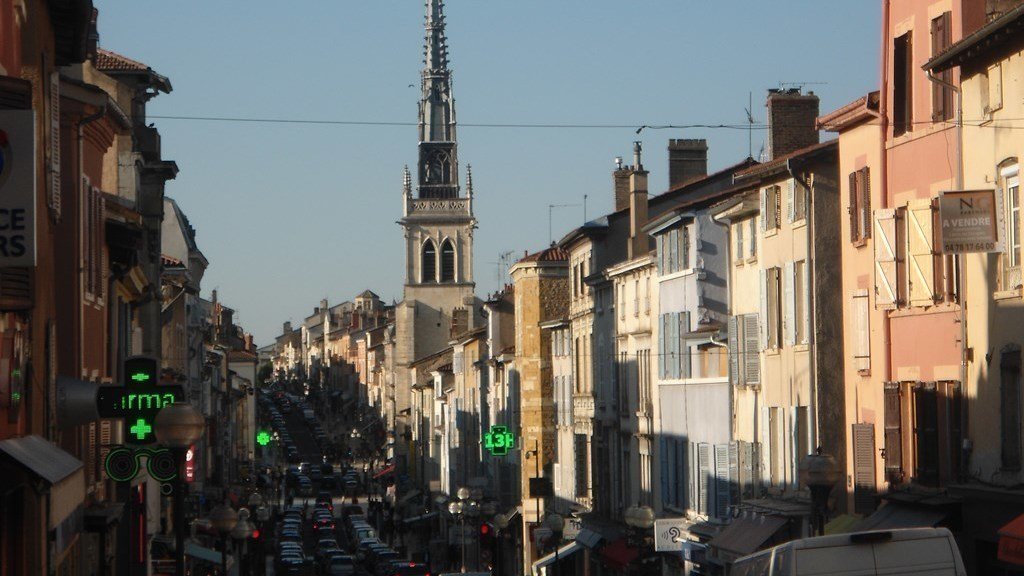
288 214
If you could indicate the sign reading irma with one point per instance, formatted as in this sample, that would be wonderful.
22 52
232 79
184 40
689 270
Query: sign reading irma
970 221
138 400
17 188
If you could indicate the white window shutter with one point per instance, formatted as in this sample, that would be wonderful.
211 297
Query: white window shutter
763 316
790 203
887 252
734 350
751 351
921 253
789 304
739 243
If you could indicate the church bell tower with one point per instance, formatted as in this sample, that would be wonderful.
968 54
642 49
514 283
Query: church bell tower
437 217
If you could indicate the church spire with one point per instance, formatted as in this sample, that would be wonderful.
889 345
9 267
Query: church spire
438 166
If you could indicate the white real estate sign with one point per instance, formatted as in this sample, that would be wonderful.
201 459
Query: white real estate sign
17 188
970 221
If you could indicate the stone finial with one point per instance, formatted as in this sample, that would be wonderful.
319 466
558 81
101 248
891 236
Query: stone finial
406 181
469 180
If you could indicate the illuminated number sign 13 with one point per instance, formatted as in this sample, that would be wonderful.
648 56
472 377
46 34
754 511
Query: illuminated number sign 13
499 440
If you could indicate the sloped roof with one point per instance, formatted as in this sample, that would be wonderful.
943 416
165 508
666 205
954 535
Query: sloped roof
776 163
368 294
109 61
552 254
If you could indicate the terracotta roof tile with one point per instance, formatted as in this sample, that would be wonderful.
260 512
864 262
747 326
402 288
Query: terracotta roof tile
771 165
552 254
106 60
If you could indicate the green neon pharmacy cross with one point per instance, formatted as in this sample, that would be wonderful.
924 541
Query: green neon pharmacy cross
141 429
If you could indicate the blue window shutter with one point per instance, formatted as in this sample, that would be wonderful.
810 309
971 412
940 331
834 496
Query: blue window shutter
684 348
704 467
662 346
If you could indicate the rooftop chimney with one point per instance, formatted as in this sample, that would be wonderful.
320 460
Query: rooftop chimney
639 241
287 329
791 117
620 180
687 160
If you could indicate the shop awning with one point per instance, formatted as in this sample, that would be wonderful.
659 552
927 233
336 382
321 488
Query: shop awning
894 515
388 470
1011 542
62 471
618 554
747 533
563 553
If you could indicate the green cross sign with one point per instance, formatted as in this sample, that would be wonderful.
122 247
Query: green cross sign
263 438
141 429
499 440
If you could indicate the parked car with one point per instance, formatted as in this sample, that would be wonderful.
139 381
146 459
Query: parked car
341 565
929 551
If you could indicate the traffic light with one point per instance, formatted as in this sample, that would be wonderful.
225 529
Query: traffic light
488 543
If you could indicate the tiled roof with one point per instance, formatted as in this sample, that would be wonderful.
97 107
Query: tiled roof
552 254
170 260
775 163
860 109
108 61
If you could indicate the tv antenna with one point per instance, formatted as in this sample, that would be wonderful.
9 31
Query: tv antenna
750 124
551 209
502 266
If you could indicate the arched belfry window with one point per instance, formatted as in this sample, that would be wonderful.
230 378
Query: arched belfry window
428 263
447 261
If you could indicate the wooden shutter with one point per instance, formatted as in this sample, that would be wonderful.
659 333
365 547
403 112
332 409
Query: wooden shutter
790 200
764 208
704 465
861 331
893 433
685 359
92 454
692 475
734 474
734 350
864 188
722 480
887 291
921 252
763 284
942 96
767 444
789 304
55 195
663 346
863 468
738 257
926 434
746 466
854 208
751 350
660 242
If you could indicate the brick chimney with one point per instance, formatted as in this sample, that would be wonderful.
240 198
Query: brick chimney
287 329
639 241
791 117
687 160
620 180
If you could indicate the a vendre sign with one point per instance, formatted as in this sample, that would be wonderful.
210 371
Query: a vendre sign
17 188
970 221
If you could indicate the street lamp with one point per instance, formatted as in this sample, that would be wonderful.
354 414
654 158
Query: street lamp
241 533
460 508
179 426
641 520
819 473
224 519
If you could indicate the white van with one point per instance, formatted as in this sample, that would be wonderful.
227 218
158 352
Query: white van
910 551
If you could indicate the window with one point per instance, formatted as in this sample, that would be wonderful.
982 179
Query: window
1009 390
774 445
926 434
797 201
942 96
902 90
800 304
428 264
771 206
771 304
801 437
674 250
582 466
647 294
1011 257
861 332
622 301
860 205
447 261
744 362
636 298
674 352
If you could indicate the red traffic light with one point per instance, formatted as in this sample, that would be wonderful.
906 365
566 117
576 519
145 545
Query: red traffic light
256 534
485 529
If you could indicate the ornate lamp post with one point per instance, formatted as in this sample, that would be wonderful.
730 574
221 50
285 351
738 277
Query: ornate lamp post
224 519
460 508
240 534
640 519
819 473
178 427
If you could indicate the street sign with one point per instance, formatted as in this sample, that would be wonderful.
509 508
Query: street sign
499 440
970 221
669 534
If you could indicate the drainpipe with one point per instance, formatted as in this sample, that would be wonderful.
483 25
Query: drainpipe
883 114
961 276
812 408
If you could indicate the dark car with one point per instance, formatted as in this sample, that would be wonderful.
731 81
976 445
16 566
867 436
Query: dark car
410 569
